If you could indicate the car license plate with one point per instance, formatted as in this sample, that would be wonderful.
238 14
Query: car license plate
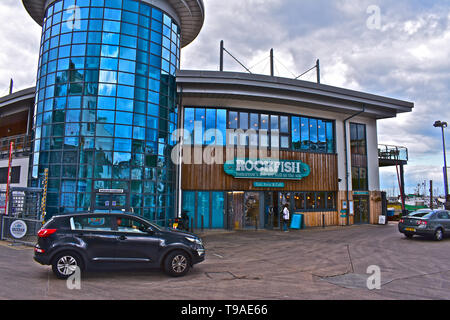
410 229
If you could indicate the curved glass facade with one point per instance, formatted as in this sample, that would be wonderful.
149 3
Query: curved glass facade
106 105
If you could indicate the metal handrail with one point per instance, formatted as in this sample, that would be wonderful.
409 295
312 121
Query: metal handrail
21 142
388 152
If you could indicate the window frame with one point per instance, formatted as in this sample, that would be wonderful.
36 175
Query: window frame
231 122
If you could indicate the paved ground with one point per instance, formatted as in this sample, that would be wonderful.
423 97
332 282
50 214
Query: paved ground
313 264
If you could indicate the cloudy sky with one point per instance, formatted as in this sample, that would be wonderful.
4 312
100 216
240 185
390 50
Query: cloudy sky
398 49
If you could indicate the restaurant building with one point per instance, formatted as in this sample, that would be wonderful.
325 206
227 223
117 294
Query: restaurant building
120 126
307 145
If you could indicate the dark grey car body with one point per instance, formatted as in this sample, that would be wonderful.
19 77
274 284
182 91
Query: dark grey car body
115 248
432 223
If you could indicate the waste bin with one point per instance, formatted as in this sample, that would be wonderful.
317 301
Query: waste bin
297 221
390 212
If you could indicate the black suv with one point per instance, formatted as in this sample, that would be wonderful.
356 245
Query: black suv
86 240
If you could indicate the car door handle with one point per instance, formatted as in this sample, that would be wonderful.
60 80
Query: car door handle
122 238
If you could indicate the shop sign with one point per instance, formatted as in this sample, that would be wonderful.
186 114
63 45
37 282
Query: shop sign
360 193
267 169
268 184
18 229
113 191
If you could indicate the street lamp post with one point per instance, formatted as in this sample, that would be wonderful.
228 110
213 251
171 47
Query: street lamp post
443 125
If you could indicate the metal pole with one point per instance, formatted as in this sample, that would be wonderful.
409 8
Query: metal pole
272 67
431 195
221 56
402 188
318 70
445 166
8 177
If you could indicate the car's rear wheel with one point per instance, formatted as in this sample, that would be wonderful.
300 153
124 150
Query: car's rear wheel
65 264
438 234
177 264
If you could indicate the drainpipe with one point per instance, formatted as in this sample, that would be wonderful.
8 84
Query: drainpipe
347 173
180 126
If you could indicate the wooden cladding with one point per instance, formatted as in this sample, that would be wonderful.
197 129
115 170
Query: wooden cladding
323 177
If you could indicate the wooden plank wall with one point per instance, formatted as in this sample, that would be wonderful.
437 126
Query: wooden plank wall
323 177
315 219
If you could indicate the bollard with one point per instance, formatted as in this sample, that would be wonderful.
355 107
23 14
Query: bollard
202 222
192 225
323 221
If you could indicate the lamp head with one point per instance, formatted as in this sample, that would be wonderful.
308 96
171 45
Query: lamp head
440 124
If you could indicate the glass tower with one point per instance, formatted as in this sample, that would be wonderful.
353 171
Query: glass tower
106 105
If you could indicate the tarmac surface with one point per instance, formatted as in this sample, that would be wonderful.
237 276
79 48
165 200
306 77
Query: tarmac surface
313 264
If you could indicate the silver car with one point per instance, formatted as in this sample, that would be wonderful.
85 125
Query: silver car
429 223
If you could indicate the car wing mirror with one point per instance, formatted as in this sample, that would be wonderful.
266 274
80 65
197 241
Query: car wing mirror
150 230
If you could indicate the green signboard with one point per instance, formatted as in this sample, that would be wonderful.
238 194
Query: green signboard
260 184
267 169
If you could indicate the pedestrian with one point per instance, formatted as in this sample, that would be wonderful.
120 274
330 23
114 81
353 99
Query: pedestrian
286 217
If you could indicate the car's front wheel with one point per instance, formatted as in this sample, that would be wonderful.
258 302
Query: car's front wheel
438 234
177 264
65 264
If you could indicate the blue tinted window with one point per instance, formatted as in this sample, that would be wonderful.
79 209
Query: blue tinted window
233 120
330 137
109 63
105 116
123 145
322 136
113 4
96 13
128 53
305 133
79 37
95 25
111 26
131 5
110 38
124 118
110 51
313 138
112 14
123 131
105 144
97 3
296 145
129 29
130 17
222 124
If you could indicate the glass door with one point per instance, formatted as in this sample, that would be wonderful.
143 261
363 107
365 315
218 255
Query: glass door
235 210
361 209
251 210
271 211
